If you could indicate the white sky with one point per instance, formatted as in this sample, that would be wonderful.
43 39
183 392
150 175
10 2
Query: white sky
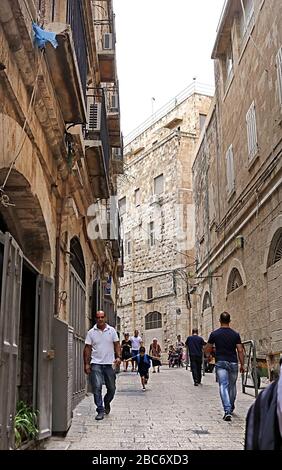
161 45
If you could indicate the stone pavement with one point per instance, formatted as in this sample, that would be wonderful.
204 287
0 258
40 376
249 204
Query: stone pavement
172 414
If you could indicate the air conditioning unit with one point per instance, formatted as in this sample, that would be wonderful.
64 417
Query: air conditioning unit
107 41
93 116
155 199
117 153
114 103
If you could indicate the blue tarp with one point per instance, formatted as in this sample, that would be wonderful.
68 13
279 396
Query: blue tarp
41 36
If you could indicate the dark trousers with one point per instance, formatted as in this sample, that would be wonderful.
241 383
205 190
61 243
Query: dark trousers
102 374
196 366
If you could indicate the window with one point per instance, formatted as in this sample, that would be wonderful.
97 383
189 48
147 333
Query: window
275 251
279 73
127 244
159 184
230 170
122 205
137 197
206 301
153 320
149 293
151 234
203 118
252 131
211 203
234 281
247 15
229 61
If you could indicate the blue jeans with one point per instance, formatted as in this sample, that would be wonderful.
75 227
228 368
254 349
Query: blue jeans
102 374
227 373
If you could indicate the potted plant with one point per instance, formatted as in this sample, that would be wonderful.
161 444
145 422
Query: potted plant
25 424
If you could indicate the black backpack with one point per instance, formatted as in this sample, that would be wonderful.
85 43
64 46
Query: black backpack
262 428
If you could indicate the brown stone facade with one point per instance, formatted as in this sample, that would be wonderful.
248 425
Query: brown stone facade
237 180
157 212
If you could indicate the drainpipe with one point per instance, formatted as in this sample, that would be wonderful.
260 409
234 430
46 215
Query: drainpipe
57 264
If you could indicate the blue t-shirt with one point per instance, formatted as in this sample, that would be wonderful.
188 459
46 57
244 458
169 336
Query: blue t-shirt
195 345
225 341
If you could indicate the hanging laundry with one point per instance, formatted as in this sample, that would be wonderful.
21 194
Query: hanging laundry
41 37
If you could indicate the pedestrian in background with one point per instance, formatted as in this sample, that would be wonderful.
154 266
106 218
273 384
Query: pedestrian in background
126 351
155 350
195 344
179 345
227 344
136 342
102 349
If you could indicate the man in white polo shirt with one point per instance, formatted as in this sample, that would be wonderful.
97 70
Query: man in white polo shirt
102 348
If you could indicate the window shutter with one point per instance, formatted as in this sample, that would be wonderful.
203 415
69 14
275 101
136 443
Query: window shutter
230 170
252 131
279 73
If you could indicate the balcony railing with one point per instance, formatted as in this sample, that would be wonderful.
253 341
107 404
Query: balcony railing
76 21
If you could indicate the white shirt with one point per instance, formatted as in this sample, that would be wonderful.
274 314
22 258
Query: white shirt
135 342
102 342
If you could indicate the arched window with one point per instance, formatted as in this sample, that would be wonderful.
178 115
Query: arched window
206 301
153 320
234 280
275 251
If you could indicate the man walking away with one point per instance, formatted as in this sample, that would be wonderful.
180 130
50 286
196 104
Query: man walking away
195 345
101 348
227 344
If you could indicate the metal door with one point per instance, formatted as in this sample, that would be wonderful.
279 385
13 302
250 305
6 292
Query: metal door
45 354
77 321
9 336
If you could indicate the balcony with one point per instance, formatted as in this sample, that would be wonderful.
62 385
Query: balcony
113 115
107 58
117 161
65 73
97 149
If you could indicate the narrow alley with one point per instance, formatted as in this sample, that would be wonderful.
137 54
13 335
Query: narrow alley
172 414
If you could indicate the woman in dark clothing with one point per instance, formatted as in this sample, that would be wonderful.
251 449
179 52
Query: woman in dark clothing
125 351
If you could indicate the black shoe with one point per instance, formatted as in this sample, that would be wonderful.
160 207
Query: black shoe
196 385
99 416
227 417
107 408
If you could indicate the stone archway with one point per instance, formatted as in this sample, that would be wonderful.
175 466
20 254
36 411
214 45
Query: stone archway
25 220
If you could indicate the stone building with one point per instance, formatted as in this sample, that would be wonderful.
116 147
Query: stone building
157 214
60 152
237 180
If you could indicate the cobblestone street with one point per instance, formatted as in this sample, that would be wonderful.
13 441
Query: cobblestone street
172 414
